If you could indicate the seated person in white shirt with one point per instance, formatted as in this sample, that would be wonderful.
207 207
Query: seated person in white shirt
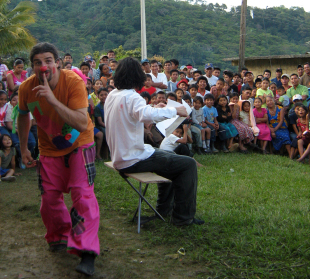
124 115
159 79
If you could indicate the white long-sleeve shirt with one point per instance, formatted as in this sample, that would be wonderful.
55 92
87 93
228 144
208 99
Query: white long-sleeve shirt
125 112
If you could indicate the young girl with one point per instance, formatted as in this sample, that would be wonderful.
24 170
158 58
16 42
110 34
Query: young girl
104 74
305 135
247 117
7 157
224 118
273 88
3 110
264 92
245 133
17 76
261 119
96 85
180 93
199 121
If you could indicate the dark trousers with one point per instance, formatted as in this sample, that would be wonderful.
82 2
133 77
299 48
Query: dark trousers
182 149
178 196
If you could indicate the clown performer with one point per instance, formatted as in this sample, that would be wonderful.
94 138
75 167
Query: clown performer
58 101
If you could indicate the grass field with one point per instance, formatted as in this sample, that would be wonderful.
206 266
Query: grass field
256 210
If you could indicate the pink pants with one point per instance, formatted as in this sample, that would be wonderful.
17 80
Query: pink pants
65 174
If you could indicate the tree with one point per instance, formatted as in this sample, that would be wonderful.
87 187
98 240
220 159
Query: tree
14 36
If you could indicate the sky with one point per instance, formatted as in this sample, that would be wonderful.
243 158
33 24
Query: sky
264 3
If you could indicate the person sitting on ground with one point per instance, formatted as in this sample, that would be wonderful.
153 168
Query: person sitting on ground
148 85
283 100
193 91
153 100
146 96
161 97
293 116
173 96
179 93
203 86
218 89
263 92
183 84
130 155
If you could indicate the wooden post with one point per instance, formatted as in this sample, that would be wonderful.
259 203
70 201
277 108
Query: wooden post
242 35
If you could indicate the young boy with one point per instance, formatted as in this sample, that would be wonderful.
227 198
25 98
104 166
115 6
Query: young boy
210 114
172 96
284 100
258 83
193 91
153 100
172 84
161 97
113 65
198 120
147 85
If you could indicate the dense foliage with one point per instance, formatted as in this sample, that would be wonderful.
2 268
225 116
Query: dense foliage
175 29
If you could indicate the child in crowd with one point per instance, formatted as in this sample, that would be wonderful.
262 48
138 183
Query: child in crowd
96 85
258 83
111 81
210 114
253 94
182 75
187 99
263 92
292 119
179 93
218 89
161 97
199 121
2 85
237 81
261 119
148 85
273 88
3 110
244 131
193 91
182 84
172 83
172 96
304 138
99 130
247 117
177 141
283 100
113 65
146 96
224 118
203 85
153 100
7 158
110 88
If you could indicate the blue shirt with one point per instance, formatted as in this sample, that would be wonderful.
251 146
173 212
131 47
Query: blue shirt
277 82
98 113
210 113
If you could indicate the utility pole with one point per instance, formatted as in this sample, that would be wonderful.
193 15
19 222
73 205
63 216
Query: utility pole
143 30
242 34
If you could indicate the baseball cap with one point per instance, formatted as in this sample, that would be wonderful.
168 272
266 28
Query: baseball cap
279 70
285 75
209 65
145 61
104 56
182 81
297 97
183 67
88 58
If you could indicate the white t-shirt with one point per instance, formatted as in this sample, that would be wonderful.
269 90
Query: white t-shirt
125 111
211 80
169 143
161 77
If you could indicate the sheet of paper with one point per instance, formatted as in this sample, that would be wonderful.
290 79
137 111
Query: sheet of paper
167 126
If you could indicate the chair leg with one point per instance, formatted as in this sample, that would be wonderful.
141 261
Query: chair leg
144 192
139 207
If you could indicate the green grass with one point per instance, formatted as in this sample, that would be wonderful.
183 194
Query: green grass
257 217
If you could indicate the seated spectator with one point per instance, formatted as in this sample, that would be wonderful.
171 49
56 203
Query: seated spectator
146 96
183 84
172 83
196 75
284 100
173 96
263 92
148 85
161 97
179 93
258 83
153 100
193 91
203 86
218 89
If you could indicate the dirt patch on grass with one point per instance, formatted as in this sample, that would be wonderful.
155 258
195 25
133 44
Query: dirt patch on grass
124 254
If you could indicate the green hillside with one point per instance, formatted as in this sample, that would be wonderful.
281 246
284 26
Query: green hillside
192 33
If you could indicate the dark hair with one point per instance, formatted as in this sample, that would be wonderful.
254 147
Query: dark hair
280 87
246 87
174 71
197 72
307 63
129 74
204 78
67 63
220 97
67 54
85 64
102 89
14 95
110 86
1 139
18 62
111 51
3 85
199 99
246 101
101 66
172 94
161 92
216 68
237 74
94 82
230 74
258 99
193 86
234 94
42 48
208 97
147 95
221 79
178 89
148 76
267 71
293 75
244 69
113 61
175 62
304 107
186 97
168 61
265 79
154 61
257 80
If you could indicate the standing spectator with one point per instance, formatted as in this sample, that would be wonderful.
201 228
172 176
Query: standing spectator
167 69
277 79
159 79
211 78
297 89
216 72
305 79
111 54
172 83
68 58
267 74
300 71
17 76
145 63
3 71
249 78
228 76
174 64
285 78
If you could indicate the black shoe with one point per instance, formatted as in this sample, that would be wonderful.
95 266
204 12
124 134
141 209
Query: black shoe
198 151
87 264
58 247
197 222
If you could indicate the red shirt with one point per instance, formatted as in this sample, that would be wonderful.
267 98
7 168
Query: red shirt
151 90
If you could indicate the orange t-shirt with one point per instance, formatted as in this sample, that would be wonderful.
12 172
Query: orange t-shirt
56 138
